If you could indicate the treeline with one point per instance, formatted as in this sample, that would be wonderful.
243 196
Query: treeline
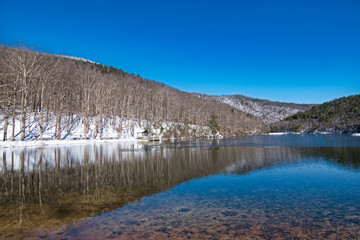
43 84
339 115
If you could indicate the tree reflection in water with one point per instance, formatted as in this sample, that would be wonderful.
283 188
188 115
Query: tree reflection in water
54 186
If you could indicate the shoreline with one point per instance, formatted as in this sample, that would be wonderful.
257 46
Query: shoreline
47 143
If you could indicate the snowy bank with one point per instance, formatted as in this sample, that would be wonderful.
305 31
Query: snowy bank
37 143
111 129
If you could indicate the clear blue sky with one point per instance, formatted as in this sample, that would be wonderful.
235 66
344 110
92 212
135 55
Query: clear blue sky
304 51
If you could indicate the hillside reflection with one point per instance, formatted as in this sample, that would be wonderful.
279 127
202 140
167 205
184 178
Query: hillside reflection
48 187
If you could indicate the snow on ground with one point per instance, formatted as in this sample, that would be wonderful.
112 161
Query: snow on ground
76 58
283 133
72 129
278 133
266 110
115 129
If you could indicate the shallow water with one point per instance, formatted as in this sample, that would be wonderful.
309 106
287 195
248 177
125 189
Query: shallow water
255 187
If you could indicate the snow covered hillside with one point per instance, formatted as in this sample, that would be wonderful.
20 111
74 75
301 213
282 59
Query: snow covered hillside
266 110
72 128
77 89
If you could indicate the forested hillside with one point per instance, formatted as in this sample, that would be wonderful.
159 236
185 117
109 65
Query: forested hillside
339 116
267 111
37 87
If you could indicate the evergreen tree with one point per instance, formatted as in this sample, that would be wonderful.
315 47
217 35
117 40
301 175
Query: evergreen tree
213 124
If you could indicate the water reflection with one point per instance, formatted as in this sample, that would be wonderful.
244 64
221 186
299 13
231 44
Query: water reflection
49 187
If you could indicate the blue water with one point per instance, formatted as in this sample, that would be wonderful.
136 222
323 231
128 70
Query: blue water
286 140
253 187
287 187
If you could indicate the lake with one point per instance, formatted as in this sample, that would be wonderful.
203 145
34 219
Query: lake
254 187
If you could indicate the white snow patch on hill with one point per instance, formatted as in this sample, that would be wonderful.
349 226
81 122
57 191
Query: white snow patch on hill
76 58
267 111
115 128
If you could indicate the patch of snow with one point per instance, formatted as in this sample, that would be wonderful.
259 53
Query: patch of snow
76 58
283 133
267 111
114 128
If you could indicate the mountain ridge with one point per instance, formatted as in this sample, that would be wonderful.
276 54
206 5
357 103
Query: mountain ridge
266 110
341 115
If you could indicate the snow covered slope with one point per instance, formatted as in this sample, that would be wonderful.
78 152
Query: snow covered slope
76 58
72 128
266 110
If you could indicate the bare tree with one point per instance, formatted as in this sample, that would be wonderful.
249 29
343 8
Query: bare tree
47 85
25 66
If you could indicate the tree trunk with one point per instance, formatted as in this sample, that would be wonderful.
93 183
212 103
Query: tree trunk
41 126
6 123
23 118
41 123
101 128
29 115
13 116
86 127
59 127
96 127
